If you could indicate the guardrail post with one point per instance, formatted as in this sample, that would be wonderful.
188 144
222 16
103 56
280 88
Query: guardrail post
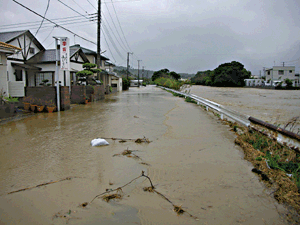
222 116
206 108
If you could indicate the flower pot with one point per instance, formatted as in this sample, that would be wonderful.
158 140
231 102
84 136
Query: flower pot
26 105
33 107
86 101
40 108
50 109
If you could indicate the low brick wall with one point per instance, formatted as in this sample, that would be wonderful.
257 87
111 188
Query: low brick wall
78 94
99 93
49 93
92 93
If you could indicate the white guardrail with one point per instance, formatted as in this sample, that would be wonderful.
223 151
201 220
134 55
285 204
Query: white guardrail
222 110
281 135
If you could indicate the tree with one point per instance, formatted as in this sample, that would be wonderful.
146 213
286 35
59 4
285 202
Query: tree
230 75
175 75
160 73
89 70
225 75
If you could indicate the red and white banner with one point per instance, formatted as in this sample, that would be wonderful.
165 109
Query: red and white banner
64 54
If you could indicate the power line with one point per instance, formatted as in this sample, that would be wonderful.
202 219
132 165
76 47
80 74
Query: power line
80 6
115 27
43 18
48 34
114 34
108 47
72 9
120 25
112 42
71 18
92 4
54 22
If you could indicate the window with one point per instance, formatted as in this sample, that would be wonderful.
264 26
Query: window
268 72
18 74
39 77
0 59
31 50
280 72
291 71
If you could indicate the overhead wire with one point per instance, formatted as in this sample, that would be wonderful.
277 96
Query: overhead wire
70 18
80 6
54 22
72 8
116 27
120 25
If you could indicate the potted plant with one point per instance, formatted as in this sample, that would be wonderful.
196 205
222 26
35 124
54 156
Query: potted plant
33 104
40 105
50 106
26 102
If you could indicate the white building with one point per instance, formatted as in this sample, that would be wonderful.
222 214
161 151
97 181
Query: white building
280 73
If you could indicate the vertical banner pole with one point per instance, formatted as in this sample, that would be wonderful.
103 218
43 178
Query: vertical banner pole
57 75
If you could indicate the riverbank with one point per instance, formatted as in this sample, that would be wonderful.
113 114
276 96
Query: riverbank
277 107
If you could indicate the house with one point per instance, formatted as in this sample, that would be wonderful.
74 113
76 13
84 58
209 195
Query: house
46 61
92 57
5 50
17 69
280 73
115 81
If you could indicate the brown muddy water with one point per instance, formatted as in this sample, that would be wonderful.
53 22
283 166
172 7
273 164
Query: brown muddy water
192 161
273 106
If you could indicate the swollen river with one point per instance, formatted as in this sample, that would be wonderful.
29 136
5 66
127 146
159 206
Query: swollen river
192 160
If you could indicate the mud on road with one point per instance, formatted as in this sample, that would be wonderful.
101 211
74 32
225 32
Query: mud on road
191 159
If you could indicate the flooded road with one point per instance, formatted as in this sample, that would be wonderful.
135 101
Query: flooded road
273 106
192 160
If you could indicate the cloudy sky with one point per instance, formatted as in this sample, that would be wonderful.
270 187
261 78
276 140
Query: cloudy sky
181 35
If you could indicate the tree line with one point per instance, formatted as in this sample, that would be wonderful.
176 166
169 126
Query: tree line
225 75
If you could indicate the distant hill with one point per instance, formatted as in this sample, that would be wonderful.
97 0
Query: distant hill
121 70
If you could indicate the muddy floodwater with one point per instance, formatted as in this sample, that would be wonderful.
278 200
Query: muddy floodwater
192 160
273 106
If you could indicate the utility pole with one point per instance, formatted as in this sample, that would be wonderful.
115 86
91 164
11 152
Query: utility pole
143 73
98 41
128 63
139 73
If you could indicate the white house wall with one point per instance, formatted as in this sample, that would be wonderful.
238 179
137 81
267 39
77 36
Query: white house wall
19 54
3 73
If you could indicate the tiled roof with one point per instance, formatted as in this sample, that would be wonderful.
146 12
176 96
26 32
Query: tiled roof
11 35
7 36
49 55
89 51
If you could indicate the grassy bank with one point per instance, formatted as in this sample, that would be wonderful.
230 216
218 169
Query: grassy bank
277 166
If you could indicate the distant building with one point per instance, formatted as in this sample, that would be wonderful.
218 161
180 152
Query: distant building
280 73
134 83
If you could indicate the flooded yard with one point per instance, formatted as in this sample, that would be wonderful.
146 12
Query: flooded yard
191 159
273 106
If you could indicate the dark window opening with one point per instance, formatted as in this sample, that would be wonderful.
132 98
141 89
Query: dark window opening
18 74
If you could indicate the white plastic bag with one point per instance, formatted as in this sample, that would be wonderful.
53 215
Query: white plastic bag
99 142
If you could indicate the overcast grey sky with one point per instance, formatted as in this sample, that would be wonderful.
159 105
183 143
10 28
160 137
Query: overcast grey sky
181 35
